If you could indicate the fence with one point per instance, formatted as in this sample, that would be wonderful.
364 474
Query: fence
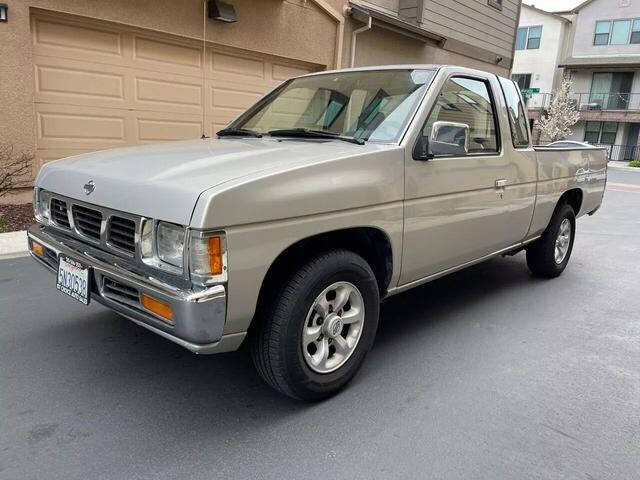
622 153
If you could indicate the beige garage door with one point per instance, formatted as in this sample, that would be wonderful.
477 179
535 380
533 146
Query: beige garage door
100 85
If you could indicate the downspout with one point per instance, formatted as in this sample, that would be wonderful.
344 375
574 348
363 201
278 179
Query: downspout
354 34
339 19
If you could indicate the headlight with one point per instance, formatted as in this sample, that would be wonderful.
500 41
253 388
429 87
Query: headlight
170 243
42 199
207 256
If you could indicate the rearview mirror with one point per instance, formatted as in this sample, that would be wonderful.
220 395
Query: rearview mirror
449 138
446 138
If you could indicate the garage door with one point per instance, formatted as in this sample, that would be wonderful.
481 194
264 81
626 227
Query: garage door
100 85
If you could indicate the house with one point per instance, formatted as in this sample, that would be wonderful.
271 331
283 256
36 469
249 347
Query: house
597 46
541 44
604 66
79 76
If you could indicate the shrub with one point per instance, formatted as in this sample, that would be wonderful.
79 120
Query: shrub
634 163
3 224
15 169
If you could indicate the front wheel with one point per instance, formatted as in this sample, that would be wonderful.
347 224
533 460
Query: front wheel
549 255
315 334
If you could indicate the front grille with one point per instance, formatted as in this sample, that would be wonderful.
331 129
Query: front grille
59 213
119 291
121 233
87 221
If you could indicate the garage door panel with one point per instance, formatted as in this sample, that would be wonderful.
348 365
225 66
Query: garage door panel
236 68
281 72
170 57
160 128
178 94
66 39
81 83
79 127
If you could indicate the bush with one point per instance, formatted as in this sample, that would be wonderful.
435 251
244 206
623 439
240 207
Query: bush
634 163
3 224
14 169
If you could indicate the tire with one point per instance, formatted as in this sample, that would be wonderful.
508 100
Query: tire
277 345
541 256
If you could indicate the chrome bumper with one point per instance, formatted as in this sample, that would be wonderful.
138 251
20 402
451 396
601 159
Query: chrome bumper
198 315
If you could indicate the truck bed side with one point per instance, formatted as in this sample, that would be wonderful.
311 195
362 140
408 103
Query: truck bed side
561 170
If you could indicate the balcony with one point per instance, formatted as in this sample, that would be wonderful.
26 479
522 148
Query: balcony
619 107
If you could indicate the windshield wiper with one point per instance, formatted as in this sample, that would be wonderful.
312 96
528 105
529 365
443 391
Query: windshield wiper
311 133
238 132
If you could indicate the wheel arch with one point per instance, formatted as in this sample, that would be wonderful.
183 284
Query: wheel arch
371 243
574 198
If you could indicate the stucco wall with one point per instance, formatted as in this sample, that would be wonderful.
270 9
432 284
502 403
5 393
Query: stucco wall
586 25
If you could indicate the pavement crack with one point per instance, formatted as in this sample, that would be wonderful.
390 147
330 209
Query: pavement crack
564 434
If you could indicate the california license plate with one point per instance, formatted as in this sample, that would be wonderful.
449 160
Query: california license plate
73 280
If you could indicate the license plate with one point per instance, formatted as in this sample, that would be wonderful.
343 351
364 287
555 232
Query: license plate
73 280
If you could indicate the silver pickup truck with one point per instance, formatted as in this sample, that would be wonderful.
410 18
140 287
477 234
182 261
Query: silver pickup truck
333 192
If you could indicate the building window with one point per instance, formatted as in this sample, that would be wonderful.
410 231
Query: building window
495 4
601 133
635 32
528 38
617 32
602 33
620 32
522 79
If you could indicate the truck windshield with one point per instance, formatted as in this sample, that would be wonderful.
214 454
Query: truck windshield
371 105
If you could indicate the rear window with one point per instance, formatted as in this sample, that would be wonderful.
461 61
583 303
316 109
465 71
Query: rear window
515 109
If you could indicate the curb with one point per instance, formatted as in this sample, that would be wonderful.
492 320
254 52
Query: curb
628 169
13 244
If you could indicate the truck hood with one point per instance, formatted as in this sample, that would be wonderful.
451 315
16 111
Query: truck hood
164 181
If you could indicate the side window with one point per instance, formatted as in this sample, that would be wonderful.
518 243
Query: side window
515 109
467 101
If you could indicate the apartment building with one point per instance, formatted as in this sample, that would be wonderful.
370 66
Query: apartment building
604 65
541 45
600 53
79 76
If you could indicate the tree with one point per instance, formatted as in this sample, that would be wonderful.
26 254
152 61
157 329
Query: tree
14 169
562 114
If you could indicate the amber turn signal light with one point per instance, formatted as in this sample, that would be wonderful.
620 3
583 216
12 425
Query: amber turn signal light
158 307
37 248
215 255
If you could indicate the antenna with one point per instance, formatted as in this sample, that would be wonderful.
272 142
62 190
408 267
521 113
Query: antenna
204 63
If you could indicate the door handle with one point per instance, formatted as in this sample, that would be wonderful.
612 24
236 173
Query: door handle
501 183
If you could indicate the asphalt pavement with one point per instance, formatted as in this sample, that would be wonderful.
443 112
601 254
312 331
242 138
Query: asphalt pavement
485 374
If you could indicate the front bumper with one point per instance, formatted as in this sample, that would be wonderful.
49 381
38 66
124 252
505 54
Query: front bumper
198 315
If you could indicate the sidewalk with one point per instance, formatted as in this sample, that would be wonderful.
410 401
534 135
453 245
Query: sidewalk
622 166
13 244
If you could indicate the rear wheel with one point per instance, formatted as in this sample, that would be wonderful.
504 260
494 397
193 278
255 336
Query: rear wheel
315 334
549 255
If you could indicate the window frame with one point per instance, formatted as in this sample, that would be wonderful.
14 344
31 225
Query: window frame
496 121
521 104
600 132
528 38
609 34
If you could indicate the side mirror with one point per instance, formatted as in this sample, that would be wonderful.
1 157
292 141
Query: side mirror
447 138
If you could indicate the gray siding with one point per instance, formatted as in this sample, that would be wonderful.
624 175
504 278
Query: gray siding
471 22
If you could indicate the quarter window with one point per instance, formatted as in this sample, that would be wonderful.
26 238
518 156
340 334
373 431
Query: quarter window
515 109
468 101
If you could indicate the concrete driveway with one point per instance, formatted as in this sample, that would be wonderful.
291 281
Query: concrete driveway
485 374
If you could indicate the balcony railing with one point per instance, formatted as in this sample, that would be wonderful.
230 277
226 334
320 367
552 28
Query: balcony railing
590 101
622 153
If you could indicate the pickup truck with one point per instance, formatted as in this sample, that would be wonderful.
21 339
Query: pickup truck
333 192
